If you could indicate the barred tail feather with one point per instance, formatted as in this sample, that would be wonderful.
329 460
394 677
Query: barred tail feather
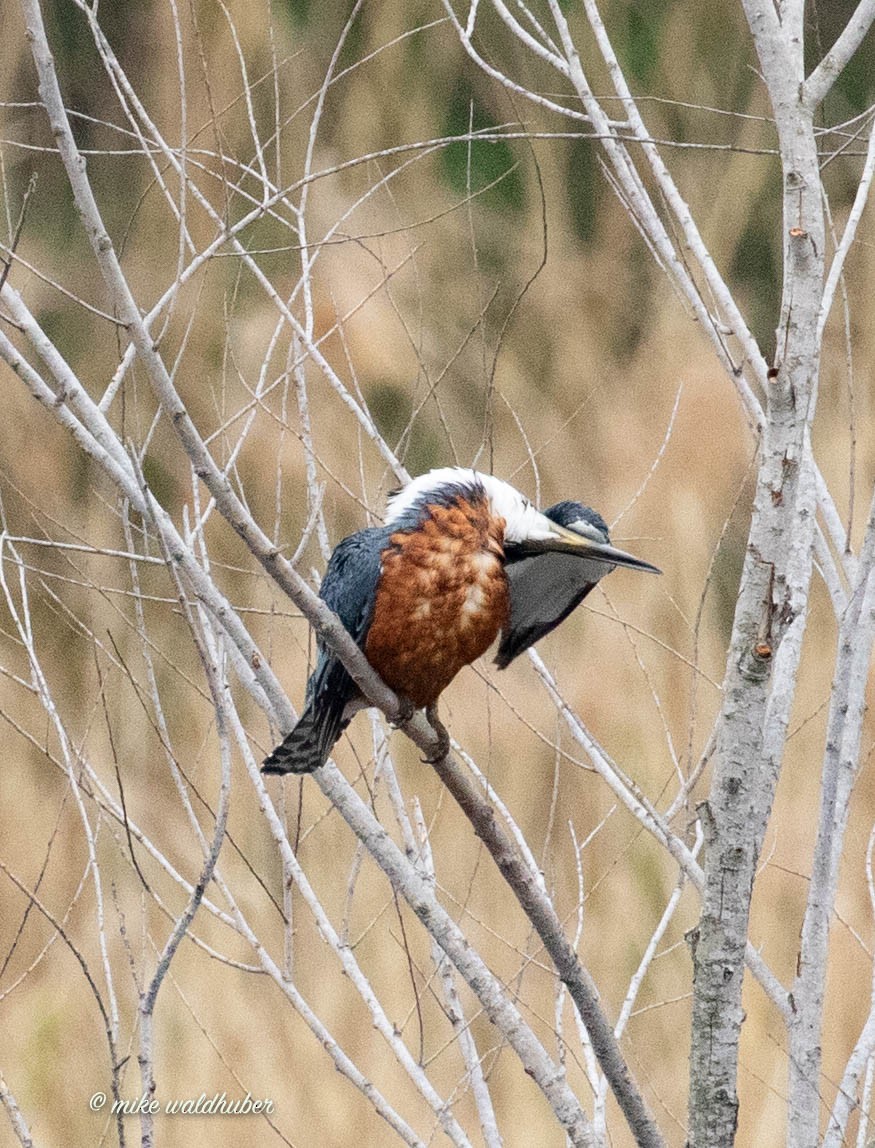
311 741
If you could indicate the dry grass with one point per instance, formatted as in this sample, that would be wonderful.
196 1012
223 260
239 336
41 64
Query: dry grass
591 362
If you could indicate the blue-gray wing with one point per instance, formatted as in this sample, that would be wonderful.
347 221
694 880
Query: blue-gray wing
349 588
544 589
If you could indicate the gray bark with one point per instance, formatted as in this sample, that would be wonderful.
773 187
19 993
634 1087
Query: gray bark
770 615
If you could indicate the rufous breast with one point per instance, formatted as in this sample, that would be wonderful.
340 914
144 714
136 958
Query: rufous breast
441 599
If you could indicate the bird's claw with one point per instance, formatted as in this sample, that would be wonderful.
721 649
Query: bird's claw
442 748
406 710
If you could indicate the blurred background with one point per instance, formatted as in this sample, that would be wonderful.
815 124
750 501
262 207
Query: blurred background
487 303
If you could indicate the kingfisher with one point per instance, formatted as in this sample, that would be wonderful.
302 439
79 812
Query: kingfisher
462 557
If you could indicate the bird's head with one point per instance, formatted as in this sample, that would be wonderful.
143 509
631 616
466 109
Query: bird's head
589 525
568 527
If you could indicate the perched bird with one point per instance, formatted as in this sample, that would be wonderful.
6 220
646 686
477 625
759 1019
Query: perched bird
459 559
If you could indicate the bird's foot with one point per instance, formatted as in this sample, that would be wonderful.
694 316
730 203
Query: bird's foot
443 738
406 710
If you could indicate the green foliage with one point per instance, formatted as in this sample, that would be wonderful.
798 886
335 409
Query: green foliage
584 186
631 324
159 479
857 81
72 44
640 34
468 167
355 44
80 478
755 270
46 1042
299 11
856 84
79 63
391 408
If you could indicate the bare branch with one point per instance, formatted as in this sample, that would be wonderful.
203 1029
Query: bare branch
542 915
821 80
19 1124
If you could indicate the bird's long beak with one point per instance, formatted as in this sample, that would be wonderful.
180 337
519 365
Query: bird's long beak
567 541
